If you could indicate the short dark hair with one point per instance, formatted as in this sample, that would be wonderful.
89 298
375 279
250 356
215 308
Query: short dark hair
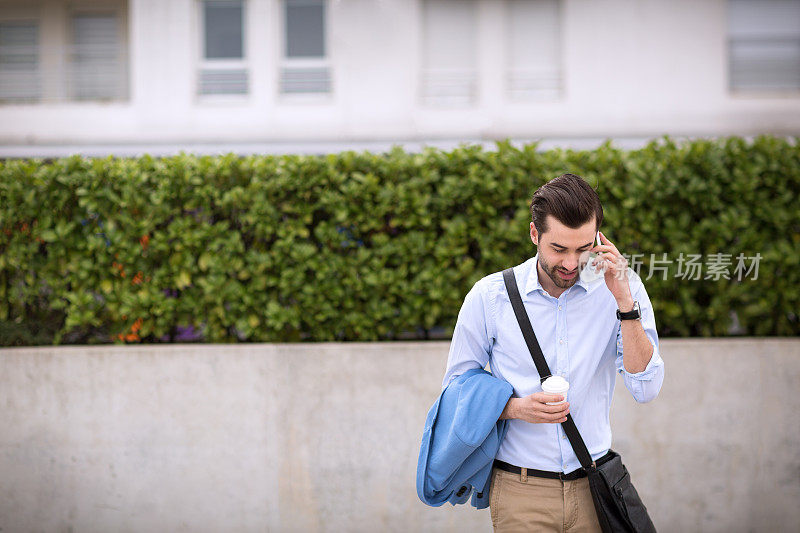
569 199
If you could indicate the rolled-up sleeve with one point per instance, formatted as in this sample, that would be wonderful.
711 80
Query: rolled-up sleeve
644 385
471 345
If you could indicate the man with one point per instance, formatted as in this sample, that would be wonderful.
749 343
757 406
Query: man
537 481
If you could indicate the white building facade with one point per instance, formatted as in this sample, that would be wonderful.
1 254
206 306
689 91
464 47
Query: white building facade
348 71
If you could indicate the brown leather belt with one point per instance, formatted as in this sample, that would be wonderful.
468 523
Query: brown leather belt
575 474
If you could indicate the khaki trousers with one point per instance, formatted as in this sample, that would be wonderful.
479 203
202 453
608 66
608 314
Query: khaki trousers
525 503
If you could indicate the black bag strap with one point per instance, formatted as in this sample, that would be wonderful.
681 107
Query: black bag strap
569 426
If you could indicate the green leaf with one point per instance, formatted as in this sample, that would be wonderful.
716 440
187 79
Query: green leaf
183 280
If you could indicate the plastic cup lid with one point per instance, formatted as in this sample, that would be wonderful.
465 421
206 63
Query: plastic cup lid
555 384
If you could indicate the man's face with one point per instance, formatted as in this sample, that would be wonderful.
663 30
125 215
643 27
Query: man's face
560 248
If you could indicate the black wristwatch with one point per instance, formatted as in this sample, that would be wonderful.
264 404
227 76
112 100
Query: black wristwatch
633 314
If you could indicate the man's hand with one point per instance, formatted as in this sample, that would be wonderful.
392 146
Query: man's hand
616 274
534 409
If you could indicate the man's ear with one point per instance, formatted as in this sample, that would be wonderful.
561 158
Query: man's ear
534 234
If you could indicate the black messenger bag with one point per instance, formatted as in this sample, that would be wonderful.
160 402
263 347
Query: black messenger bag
618 505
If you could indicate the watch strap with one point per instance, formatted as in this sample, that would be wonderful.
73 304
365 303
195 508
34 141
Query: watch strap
633 314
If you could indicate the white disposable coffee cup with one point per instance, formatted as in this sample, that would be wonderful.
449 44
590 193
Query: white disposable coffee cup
556 385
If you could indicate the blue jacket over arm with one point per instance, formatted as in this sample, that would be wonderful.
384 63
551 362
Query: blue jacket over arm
462 436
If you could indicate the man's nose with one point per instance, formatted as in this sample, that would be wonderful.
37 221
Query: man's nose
571 263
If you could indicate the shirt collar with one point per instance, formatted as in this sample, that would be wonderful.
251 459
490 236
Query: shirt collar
533 284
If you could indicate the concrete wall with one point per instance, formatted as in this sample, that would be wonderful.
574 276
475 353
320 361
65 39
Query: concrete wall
630 68
325 437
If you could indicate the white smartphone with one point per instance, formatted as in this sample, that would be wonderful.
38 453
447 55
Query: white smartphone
588 273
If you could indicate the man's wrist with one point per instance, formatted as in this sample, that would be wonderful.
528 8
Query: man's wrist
509 411
625 304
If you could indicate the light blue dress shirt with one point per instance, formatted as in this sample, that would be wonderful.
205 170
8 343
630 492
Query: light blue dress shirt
581 339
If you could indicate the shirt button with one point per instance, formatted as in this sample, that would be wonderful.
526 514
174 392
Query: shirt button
560 341
564 437
559 307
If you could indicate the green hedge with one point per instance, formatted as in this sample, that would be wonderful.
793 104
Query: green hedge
361 246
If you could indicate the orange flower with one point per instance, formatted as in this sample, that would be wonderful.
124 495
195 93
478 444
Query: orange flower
132 337
119 267
24 228
137 279
144 240
137 325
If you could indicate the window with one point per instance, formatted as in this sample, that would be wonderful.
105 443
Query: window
449 73
534 49
19 61
97 58
64 51
223 69
764 44
305 66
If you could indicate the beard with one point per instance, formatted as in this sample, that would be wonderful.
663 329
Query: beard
552 273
